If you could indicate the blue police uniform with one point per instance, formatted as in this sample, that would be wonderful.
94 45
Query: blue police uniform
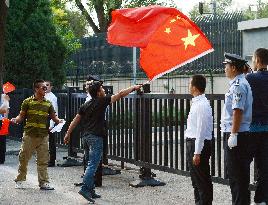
239 96
238 159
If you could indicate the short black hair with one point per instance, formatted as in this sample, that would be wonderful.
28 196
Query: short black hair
48 81
93 77
262 54
94 87
199 81
37 82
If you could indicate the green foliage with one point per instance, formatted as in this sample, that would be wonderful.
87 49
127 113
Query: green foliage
221 7
195 11
77 23
262 11
72 21
103 9
33 49
157 119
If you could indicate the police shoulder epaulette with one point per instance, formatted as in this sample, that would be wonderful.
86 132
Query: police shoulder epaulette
237 82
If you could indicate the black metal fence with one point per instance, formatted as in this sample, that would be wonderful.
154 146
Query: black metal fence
148 130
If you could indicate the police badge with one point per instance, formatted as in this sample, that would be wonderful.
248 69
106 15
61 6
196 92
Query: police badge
237 97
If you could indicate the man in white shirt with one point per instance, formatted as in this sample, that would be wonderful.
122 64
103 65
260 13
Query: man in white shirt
198 141
52 143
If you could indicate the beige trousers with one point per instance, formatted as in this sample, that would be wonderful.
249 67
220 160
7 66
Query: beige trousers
29 145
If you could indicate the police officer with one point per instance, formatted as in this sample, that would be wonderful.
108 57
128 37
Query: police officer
235 123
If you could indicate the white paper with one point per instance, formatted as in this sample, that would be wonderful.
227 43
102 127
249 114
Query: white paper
58 127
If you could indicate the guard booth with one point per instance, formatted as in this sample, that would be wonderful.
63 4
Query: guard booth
254 35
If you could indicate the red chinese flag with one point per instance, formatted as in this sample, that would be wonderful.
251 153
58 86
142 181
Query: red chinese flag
167 38
8 87
4 129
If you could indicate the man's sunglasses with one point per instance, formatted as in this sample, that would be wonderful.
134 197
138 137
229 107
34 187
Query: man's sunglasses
95 83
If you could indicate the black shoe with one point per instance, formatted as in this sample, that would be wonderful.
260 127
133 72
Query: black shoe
94 195
87 196
79 184
51 164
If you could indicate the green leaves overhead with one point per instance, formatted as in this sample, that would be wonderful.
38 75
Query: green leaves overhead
39 41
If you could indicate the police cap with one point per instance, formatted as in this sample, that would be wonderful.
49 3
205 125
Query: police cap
234 59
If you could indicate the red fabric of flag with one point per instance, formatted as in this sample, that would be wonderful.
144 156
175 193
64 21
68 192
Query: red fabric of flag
134 27
177 42
8 87
168 39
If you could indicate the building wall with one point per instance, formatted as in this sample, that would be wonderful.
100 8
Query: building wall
178 83
255 35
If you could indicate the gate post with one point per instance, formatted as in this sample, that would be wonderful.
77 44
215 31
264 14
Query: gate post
72 142
143 151
70 160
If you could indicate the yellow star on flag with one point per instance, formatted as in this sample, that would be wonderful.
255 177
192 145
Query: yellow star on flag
172 20
168 30
189 40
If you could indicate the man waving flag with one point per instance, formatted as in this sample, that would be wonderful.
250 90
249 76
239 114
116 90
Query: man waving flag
168 39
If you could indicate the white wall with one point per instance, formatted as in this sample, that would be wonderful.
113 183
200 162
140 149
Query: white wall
179 83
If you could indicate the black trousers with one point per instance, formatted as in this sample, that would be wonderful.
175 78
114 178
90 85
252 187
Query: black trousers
52 147
261 159
238 161
2 149
200 175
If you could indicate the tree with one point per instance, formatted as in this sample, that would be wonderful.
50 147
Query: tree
103 9
33 48
64 17
77 23
262 11
221 7
3 14
64 29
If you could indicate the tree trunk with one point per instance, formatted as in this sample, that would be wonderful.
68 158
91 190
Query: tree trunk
87 15
101 16
3 15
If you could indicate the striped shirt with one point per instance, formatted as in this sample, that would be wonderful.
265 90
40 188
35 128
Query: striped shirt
37 113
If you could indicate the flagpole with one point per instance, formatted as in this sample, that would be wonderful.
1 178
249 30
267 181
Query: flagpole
134 58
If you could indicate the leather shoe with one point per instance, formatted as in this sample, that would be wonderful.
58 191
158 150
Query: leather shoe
51 164
87 196
94 195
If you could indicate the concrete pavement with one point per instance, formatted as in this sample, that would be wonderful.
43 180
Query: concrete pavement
115 189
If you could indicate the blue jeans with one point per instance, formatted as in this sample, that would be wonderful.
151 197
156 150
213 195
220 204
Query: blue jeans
94 145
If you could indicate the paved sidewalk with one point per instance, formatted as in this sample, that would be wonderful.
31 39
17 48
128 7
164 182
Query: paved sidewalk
115 189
